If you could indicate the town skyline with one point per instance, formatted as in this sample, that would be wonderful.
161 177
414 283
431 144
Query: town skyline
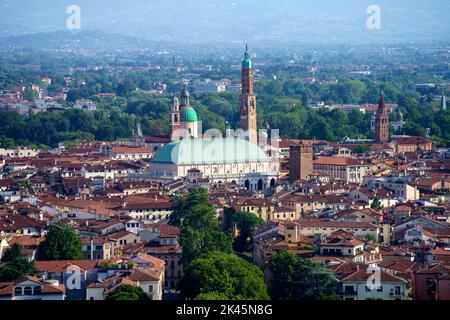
223 160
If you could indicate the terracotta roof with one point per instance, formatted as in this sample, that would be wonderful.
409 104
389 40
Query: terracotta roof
441 251
63 265
154 139
168 249
110 284
334 224
403 265
410 140
149 205
363 275
16 221
338 161
7 290
96 240
437 268
128 150
26 240
119 234
148 268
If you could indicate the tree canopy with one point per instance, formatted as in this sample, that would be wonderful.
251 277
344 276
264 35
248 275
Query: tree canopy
294 278
200 233
15 265
245 224
127 292
61 243
219 275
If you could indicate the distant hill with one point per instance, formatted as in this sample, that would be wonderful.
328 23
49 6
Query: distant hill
76 40
197 21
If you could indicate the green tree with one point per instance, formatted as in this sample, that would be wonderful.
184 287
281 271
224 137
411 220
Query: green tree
61 243
127 292
29 94
294 278
360 149
200 233
196 196
246 223
211 296
16 265
370 237
376 204
225 276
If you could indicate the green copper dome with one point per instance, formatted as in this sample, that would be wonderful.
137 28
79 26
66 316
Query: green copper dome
190 115
209 151
246 63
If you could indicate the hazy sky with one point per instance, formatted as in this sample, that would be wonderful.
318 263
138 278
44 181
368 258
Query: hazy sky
235 20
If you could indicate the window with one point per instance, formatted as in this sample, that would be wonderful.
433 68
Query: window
37 290
349 289
397 290
380 289
18 291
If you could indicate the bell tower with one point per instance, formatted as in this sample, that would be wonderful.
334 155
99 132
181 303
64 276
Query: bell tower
381 122
247 101
174 117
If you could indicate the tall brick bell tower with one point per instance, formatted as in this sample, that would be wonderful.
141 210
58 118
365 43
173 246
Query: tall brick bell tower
247 100
381 122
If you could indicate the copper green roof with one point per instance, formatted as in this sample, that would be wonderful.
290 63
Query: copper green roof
246 63
190 115
213 151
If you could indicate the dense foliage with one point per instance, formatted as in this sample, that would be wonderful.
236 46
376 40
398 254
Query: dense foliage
15 265
61 243
218 275
294 278
200 233
243 224
127 292
283 105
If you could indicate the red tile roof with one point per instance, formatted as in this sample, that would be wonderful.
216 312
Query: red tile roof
363 275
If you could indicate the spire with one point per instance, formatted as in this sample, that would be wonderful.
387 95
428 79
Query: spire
184 96
139 130
399 115
381 104
443 102
246 63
